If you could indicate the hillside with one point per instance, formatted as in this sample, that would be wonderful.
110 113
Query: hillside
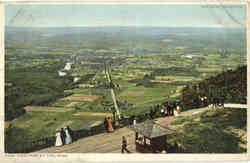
32 86
229 85
203 130
212 131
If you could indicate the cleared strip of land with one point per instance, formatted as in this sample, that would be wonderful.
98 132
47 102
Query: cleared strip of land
47 109
172 79
209 69
93 114
79 97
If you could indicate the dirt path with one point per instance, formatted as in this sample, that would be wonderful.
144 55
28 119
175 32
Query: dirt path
111 142
101 143
239 106
166 121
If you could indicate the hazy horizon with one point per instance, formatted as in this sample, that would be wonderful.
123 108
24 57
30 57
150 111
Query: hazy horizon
177 16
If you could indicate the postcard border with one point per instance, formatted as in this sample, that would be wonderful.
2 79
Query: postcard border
64 157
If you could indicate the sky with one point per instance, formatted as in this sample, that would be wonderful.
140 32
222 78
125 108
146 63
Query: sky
163 15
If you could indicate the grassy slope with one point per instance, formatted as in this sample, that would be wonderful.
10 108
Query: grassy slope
44 124
213 131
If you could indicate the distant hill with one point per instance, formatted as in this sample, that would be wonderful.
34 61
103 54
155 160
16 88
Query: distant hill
212 37
230 85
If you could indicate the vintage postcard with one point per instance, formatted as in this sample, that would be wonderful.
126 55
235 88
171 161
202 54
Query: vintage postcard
127 81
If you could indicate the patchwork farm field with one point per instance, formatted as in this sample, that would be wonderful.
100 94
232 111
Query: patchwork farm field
140 94
60 80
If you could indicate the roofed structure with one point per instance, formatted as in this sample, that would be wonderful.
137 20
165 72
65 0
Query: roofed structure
151 129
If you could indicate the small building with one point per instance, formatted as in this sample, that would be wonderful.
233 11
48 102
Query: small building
150 137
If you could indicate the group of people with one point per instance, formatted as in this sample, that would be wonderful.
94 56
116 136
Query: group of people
217 102
203 100
211 102
169 109
108 125
64 136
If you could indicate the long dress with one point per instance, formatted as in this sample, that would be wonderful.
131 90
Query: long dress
134 122
110 127
68 139
178 110
58 139
176 113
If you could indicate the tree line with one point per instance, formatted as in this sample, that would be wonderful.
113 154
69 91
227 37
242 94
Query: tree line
33 87
230 85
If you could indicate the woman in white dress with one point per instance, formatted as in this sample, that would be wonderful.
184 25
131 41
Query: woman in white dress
175 113
134 121
58 139
68 139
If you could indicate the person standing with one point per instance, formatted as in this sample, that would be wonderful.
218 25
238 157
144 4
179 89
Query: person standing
63 135
162 110
205 101
165 111
134 121
72 134
110 126
170 106
124 145
59 141
105 123
178 110
68 138
168 109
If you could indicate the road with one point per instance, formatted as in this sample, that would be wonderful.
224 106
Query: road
101 143
111 142
240 106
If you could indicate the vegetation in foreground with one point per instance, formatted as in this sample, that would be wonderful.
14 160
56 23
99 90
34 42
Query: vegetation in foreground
219 130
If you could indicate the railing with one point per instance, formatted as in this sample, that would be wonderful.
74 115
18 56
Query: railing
81 133
35 145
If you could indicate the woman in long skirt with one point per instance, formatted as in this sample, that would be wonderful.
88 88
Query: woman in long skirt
110 126
178 109
68 139
58 139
